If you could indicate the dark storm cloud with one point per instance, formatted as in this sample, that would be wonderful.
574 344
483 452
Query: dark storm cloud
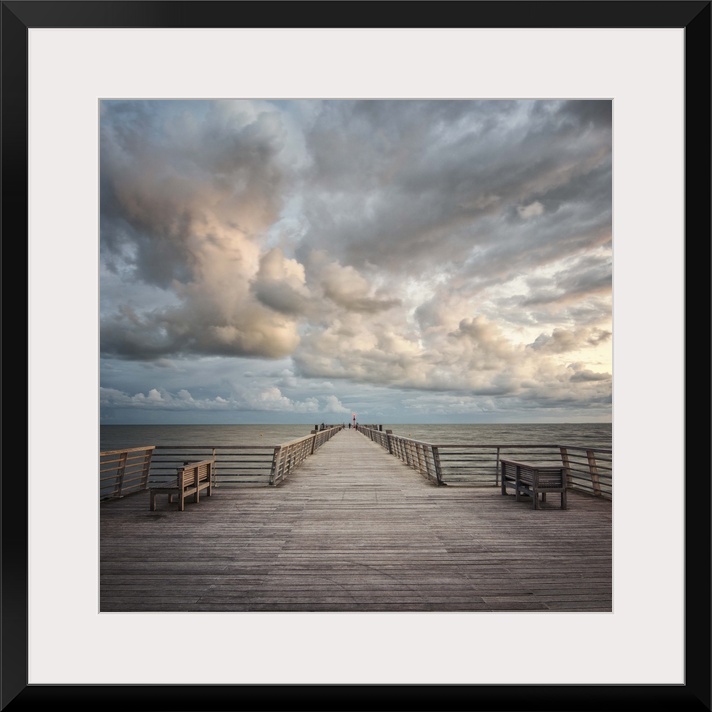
395 181
583 278
564 340
589 376
280 297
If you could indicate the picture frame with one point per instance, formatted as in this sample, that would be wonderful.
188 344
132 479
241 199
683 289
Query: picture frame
18 18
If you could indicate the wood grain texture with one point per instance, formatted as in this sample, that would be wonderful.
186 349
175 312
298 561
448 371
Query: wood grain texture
355 529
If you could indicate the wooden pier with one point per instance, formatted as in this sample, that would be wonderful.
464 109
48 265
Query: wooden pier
355 529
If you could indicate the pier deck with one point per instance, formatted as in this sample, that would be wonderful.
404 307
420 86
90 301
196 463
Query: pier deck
354 529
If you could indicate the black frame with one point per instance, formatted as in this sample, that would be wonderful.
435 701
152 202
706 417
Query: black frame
694 17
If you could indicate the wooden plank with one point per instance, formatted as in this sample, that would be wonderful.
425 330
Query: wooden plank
354 528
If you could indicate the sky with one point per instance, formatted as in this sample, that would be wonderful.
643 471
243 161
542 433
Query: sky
301 261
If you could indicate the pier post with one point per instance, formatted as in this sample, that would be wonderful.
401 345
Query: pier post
567 465
593 470
214 469
436 462
146 468
121 470
426 459
419 453
275 464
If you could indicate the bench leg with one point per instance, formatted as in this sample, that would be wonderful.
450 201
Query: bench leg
153 501
563 500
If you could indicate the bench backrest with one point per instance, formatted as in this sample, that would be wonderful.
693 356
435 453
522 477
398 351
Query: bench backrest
548 475
552 477
194 473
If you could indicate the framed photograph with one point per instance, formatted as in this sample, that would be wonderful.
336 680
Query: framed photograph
79 78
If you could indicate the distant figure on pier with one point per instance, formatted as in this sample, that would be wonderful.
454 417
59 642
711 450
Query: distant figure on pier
349 426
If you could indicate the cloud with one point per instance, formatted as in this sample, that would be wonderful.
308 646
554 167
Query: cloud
590 377
563 340
272 399
280 284
266 399
530 211
187 190
348 289
461 247
391 177
159 399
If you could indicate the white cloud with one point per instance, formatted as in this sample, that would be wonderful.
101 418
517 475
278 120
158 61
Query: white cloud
530 211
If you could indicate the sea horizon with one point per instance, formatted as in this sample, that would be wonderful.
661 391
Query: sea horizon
117 436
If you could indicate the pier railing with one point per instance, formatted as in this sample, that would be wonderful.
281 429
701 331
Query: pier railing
289 456
124 472
587 469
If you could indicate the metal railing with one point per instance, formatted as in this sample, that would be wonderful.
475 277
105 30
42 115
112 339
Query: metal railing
587 469
124 472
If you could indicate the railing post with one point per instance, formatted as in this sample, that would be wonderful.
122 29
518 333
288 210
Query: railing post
313 444
497 469
388 441
146 468
436 462
214 468
427 460
567 465
420 463
593 470
275 464
288 460
120 474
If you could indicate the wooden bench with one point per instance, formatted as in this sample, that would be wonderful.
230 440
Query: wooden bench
532 480
193 478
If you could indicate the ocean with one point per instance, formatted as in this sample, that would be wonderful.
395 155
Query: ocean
591 435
